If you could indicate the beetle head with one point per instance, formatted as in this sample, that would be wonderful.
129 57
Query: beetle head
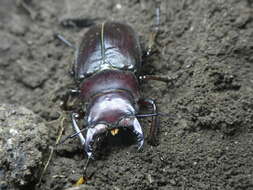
108 112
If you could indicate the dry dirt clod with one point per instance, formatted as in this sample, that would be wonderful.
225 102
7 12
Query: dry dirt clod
23 142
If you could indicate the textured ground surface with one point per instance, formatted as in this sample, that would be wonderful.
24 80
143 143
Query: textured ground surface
23 140
207 143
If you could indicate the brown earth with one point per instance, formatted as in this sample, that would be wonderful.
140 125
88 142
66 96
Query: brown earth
207 143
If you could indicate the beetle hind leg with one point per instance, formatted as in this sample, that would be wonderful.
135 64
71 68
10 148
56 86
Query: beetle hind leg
65 41
153 36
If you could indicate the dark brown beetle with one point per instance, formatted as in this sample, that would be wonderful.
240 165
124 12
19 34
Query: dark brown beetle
108 62
107 69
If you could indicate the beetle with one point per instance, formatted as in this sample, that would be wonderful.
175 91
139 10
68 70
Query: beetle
107 69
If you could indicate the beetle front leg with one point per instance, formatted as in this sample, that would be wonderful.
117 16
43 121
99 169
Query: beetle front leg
77 130
65 99
155 120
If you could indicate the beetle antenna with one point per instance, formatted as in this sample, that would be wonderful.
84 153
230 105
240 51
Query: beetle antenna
71 136
153 114
76 128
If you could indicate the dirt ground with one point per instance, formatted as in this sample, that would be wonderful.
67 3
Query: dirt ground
206 143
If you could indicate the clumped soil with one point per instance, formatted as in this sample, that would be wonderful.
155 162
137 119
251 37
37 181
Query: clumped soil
206 143
23 141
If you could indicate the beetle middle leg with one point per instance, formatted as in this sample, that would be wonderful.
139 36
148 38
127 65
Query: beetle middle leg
161 78
150 50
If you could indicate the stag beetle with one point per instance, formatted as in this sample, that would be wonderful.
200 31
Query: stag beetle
107 69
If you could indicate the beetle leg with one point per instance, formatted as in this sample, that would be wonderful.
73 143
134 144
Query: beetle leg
161 78
78 22
156 77
155 120
65 41
77 130
69 44
153 35
66 97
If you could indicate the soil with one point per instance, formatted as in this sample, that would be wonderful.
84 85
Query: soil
206 143
23 140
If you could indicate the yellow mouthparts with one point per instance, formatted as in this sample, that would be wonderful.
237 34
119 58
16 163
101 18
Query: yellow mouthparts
81 181
114 132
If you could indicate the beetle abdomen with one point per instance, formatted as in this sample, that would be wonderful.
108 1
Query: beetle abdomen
110 45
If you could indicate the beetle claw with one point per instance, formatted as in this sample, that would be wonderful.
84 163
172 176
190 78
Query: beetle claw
138 131
92 132
133 124
90 135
